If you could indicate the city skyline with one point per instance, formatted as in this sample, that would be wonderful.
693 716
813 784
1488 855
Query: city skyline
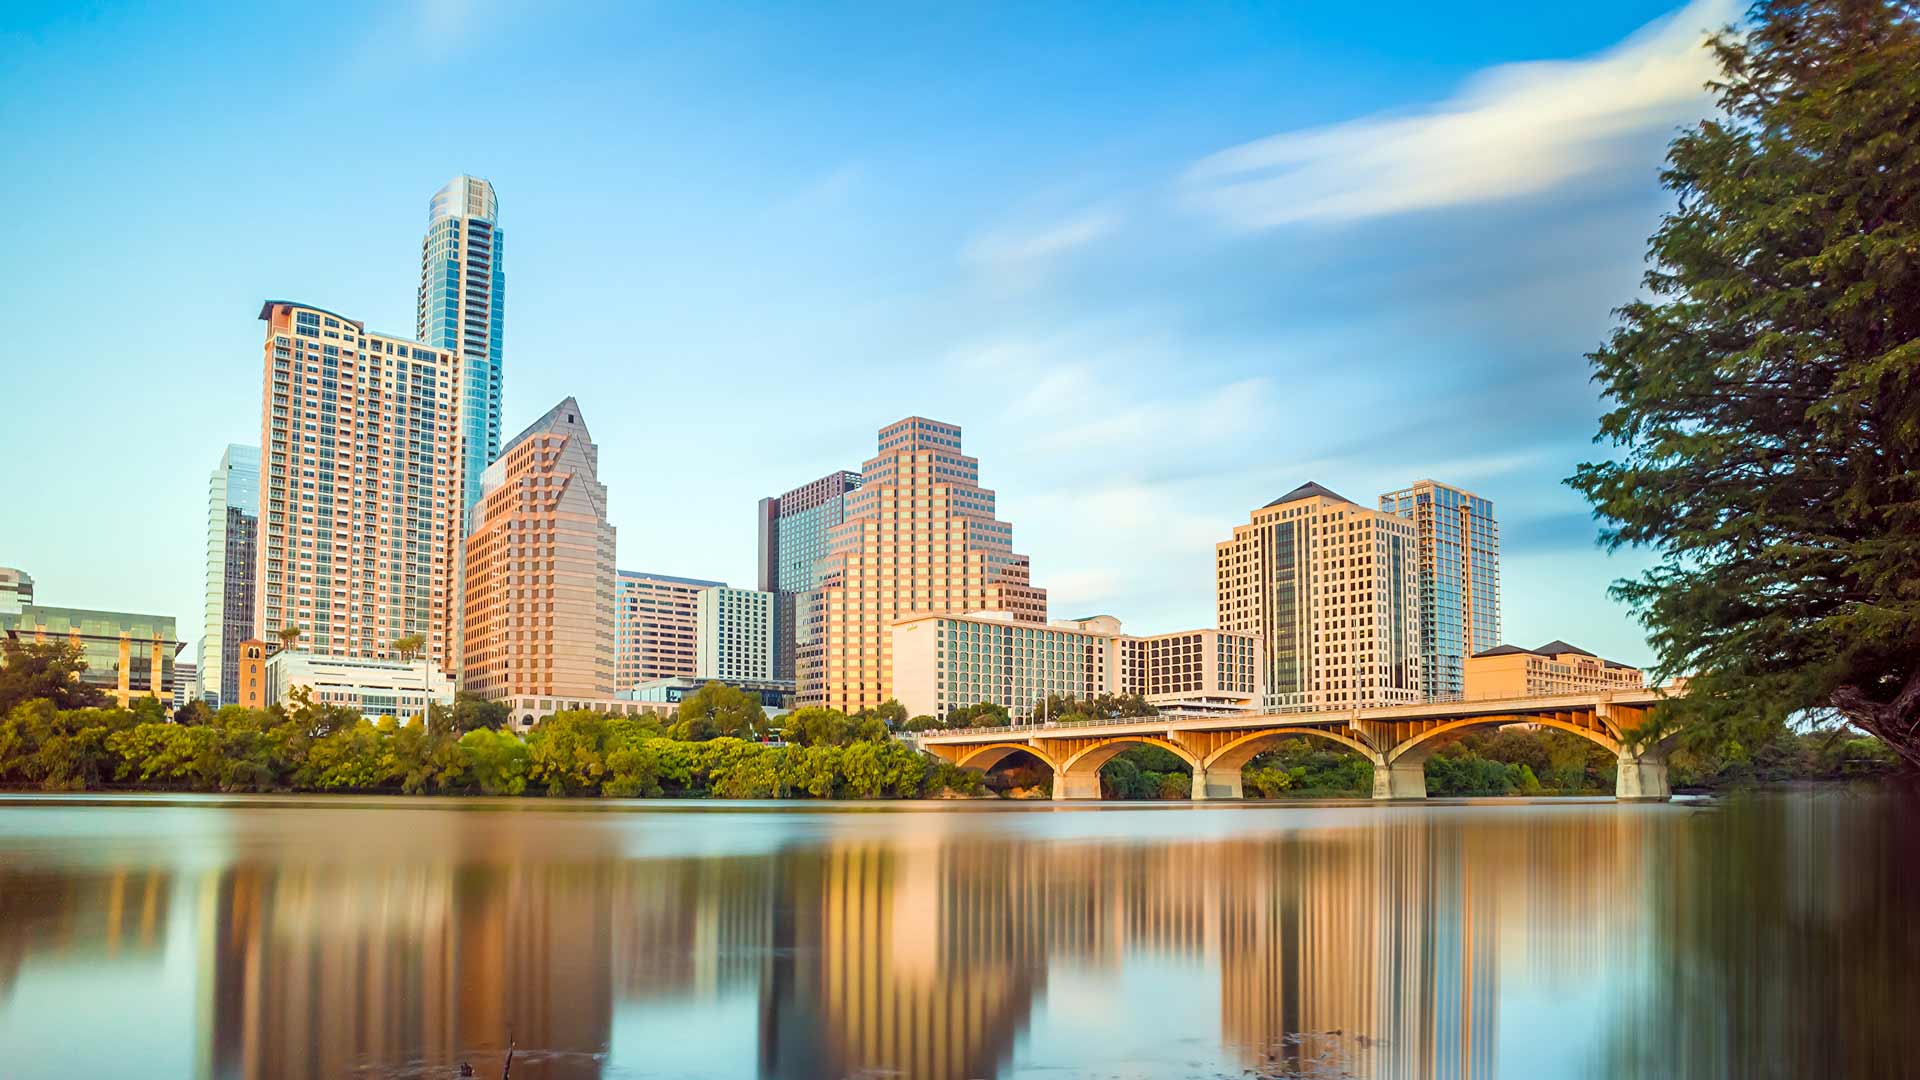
1129 437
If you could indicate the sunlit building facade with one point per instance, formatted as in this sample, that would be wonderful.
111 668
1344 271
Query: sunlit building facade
733 637
793 542
128 655
462 309
920 537
361 488
233 522
1459 580
539 568
656 621
1332 591
1508 671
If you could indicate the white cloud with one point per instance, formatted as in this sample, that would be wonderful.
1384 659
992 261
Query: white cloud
1013 247
1513 130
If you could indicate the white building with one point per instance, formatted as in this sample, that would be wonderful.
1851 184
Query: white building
733 634
376 688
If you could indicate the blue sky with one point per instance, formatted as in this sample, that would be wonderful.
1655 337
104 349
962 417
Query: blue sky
1162 263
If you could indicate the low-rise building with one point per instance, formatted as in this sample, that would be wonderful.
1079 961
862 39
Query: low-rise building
1554 668
370 686
186 683
943 662
776 695
526 711
128 655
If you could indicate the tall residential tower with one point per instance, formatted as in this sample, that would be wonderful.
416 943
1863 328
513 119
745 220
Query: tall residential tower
1459 580
793 541
1332 590
233 518
462 306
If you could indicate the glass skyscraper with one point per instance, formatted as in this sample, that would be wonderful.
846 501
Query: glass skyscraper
233 520
793 540
463 288
1459 580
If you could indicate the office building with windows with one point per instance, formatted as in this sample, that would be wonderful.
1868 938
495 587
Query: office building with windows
656 622
462 311
233 521
402 689
128 655
733 636
942 662
16 590
539 568
1459 580
1332 591
793 541
920 537
186 683
776 695
360 487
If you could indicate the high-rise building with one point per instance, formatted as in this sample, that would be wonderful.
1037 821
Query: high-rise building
233 519
656 620
186 682
539 568
734 634
462 309
919 537
1332 590
361 488
793 541
1459 580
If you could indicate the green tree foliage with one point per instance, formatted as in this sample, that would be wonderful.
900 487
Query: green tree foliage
49 670
979 714
818 726
193 712
496 761
567 752
717 709
889 712
1313 767
924 723
469 712
1068 708
1146 772
1766 397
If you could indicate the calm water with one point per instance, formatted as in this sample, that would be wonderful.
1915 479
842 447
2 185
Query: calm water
345 937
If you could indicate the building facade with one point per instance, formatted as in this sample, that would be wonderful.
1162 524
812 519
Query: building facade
793 540
250 675
920 537
186 683
1459 580
361 488
16 590
942 662
776 695
233 521
462 310
128 655
1332 591
1507 671
734 634
539 568
372 687
656 619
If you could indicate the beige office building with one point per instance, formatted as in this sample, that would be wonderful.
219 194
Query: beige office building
941 662
540 570
656 626
1332 591
920 537
1508 671
734 634
360 488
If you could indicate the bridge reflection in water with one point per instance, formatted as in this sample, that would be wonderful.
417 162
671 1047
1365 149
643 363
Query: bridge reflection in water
1360 941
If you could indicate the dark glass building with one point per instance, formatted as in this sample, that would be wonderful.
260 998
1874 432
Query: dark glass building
793 539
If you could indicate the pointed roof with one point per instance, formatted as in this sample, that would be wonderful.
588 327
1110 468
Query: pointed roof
1557 647
565 414
1503 650
1308 490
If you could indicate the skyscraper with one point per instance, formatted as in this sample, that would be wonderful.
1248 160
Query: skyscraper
539 568
360 487
462 308
656 625
793 540
233 518
734 636
920 537
1459 580
1332 590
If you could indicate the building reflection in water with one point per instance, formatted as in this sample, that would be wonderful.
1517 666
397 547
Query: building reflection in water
1362 943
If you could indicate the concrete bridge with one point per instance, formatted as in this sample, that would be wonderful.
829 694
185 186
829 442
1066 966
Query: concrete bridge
1398 741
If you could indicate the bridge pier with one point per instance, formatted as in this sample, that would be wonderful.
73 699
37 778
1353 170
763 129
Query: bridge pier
1218 782
1404 779
1642 777
1077 784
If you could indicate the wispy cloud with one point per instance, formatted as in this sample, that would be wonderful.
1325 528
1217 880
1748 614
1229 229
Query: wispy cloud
1514 130
1016 246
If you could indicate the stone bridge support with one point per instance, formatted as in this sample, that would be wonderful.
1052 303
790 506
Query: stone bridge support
1642 776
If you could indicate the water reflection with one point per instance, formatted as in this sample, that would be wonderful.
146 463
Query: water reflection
343 939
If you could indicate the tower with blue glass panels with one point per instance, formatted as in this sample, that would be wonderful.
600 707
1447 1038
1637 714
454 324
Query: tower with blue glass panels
1459 580
463 288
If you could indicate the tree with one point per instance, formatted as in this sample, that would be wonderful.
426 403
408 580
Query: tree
290 636
1766 397
889 712
45 669
408 647
472 712
717 709
195 712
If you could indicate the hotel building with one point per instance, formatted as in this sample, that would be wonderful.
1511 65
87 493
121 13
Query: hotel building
656 621
462 308
360 487
920 537
233 522
1507 671
942 662
1459 580
539 568
793 541
1332 591
733 634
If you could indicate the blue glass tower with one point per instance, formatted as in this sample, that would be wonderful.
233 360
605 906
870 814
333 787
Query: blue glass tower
1459 580
463 289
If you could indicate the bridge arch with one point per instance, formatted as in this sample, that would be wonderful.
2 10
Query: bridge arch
1236 754
1416 749
1078 776
985 756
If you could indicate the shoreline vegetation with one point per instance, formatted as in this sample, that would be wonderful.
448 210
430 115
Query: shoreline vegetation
57 734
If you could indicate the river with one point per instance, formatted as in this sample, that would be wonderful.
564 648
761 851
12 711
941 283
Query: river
332 937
